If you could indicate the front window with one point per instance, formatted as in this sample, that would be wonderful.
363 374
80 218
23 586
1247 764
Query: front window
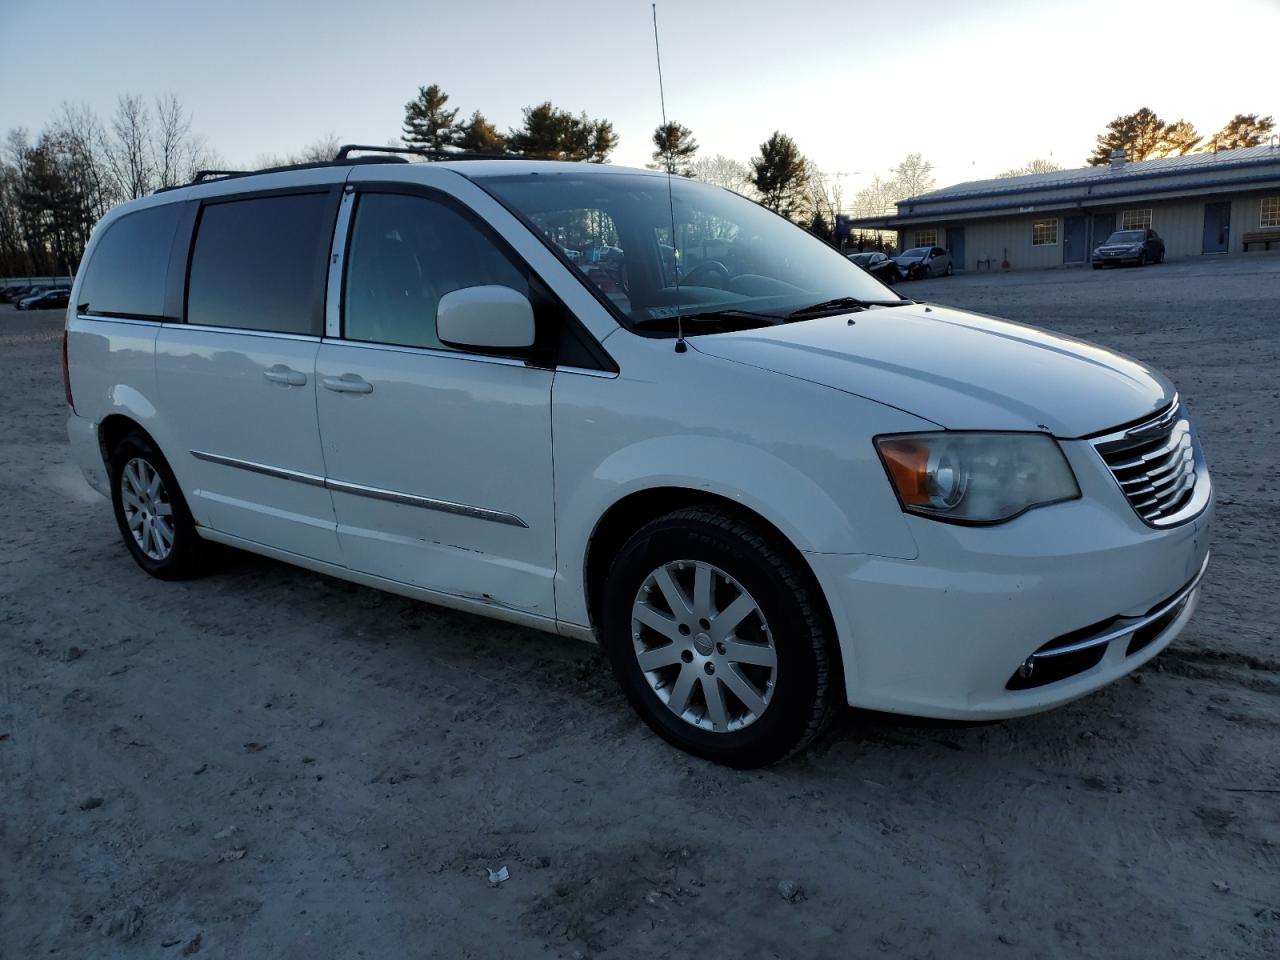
1044 233
915 253
730 260
1127 236
926 238
1270 212
1136 219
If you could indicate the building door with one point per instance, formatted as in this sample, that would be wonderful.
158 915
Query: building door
1104 225
1217 227
955 244
1075 246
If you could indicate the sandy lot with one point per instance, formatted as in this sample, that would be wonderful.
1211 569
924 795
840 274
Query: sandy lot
270 763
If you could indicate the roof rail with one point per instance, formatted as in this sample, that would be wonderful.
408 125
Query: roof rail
347 148
202 175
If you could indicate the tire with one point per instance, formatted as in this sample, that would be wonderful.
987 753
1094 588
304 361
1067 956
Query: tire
1097 266
950 270
135 466
1142 259
788 675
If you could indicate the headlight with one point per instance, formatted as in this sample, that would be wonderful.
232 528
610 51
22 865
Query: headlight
976 477
1136 248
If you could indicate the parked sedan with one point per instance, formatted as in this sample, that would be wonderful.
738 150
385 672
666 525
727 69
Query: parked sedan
15 293
921 262
1138 247
878 265
56 298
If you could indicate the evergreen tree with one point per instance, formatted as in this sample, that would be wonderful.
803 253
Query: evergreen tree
427 124
780 174
478 135
675 149
1144 136
549 133
1244 130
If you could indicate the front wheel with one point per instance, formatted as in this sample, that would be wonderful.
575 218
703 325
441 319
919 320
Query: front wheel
950 269
718 638
1142 259
151 513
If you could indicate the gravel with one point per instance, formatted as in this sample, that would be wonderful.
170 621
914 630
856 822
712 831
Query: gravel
1154 836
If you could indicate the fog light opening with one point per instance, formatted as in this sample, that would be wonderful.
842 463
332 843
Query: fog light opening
1028 667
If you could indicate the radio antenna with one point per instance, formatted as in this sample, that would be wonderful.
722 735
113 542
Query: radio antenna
681 347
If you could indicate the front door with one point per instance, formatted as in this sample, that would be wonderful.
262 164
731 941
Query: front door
1075 246
438 459
955 244
236 381
1217 227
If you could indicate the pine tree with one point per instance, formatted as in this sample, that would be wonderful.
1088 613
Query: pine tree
1244 130
478 135
427 124
675 149
549 133
780 174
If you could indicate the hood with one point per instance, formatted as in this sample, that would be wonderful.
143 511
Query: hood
963 371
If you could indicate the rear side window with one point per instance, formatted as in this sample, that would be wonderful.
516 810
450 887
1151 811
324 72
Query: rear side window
125 277
406 253
259 264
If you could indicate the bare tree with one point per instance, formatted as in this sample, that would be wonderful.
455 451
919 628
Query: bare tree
172 142
724 172
128 148
317 151
1037 165
913 176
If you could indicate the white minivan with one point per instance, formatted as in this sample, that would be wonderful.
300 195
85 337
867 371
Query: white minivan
642 411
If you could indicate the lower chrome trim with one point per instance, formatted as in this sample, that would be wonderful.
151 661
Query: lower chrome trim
427 503
1131 624
265 469
360 490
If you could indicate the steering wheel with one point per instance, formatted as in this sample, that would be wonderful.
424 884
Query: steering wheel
715 270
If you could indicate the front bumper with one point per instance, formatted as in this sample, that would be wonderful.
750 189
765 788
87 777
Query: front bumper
945 635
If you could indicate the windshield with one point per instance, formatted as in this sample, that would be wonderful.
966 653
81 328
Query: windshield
915 253
1127 236
729 257
862 259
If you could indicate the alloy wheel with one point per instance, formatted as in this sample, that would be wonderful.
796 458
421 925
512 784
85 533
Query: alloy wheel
148 510
703 645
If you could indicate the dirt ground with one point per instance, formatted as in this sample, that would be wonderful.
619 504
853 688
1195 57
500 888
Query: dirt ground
266 763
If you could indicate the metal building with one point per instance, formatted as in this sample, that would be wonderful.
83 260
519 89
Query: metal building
1200 204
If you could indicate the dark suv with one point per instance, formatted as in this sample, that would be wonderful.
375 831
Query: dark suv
1130 246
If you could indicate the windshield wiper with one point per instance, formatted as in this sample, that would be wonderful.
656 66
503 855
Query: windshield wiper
842 303
706 316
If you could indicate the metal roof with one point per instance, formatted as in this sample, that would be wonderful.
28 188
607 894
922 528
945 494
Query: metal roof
1242 168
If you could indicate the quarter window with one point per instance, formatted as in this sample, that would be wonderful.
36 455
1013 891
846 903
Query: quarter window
259 264
1044 233
406 253
926 238
1135 219
1270 212
125 276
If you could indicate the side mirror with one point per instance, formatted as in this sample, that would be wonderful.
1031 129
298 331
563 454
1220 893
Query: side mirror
489 317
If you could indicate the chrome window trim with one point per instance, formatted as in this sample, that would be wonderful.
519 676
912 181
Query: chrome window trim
588 372
361 490
1131 624
429 352
125 320
204 328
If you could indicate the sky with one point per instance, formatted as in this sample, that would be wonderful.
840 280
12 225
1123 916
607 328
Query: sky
976 87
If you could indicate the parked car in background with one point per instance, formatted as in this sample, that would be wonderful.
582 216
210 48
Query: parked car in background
1138 247
13 294
919 263
30 293
48 300
878 265
767 487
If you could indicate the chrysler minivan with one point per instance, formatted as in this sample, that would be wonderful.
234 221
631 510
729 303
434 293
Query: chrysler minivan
764 482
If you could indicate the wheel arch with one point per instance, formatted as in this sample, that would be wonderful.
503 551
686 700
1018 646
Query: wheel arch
631 512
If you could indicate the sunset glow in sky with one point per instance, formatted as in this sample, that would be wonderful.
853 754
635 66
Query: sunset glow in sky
977 87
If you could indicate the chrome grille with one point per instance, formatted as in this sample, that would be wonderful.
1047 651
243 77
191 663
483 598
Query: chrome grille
1158 466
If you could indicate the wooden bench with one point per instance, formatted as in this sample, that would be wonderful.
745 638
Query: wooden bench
1267 237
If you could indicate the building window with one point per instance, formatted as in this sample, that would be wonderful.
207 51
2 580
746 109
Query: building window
1044 233
1135 219
1270 212
926 238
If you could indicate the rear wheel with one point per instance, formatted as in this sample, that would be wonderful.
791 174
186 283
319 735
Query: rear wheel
718 639
151 513
950 269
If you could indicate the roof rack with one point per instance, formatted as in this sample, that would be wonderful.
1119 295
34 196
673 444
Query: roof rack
343 159
347 148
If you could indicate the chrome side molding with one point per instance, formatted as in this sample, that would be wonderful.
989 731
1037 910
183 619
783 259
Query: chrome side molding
360 490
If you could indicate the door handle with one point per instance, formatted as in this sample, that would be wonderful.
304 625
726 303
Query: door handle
282 374
347 383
